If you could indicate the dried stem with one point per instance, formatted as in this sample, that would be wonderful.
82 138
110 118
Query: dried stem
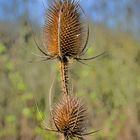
64 77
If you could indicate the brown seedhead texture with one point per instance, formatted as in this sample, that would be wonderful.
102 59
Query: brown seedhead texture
65 31
70 117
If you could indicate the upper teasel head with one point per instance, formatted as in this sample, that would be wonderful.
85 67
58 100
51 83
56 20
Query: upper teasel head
70 117
65 31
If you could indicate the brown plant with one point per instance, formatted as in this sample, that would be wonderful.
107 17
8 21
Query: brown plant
65 30
70 118
65 35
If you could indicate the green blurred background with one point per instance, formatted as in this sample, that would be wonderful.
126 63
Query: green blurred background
110 84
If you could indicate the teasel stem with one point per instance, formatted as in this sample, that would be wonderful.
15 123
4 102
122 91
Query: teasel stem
64 76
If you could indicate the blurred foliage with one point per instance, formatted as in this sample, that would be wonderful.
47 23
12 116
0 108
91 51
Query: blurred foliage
19 117
110 84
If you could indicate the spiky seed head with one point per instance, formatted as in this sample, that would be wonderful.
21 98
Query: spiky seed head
70 117
65 31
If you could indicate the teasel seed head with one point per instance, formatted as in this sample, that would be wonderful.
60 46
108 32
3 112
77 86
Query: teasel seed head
65 31
70 117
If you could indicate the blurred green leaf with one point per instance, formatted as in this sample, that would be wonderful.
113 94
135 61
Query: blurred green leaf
27 112
17 81
21 86
9 66
40 115
10 118
2 48
93 96
27 96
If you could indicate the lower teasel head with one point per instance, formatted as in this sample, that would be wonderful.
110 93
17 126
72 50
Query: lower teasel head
69 117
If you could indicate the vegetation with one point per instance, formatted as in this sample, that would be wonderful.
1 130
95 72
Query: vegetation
112 83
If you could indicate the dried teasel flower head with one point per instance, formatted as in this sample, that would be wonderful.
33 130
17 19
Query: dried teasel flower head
65 31
70 117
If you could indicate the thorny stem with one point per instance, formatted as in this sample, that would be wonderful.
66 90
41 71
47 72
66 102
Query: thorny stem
64 76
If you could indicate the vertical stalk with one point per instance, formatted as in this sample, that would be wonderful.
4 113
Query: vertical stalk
64 76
